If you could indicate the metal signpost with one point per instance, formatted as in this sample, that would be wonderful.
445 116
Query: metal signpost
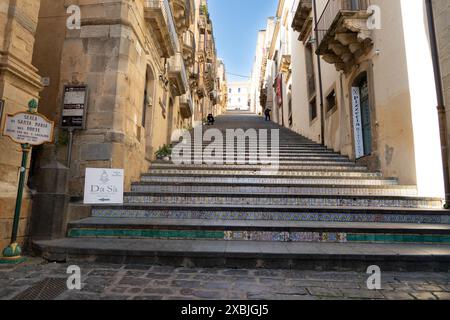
28 129
74 112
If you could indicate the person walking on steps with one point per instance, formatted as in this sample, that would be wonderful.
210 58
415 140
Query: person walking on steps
267 113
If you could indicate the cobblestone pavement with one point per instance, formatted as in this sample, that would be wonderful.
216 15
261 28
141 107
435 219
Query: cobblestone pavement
107 281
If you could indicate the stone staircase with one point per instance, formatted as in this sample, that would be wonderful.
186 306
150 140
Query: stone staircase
319 211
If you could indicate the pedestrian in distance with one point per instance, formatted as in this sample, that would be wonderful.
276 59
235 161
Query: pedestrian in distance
267 113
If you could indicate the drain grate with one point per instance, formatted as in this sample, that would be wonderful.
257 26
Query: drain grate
47 289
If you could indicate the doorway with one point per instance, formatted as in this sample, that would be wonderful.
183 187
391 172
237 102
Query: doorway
147 111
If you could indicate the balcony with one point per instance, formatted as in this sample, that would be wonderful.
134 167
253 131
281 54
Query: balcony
343 35
177 75
285 65
159 17
189 48
303 20
209 77
183 11
186 105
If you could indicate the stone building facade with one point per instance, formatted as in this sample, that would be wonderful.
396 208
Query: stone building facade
370 95
19 82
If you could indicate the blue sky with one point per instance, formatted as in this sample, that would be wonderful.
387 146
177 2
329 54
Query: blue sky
236 25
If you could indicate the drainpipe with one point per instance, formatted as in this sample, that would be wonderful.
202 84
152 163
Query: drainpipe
440 98
319 69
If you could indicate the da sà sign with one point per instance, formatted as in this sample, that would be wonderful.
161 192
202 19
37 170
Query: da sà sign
103 186
28 128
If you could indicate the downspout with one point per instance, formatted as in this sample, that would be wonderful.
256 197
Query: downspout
440 99
319 70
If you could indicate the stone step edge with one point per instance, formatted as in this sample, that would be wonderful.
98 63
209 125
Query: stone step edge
253 167
259 225
277 195
347 164
278 209
274 185
247 254
266 176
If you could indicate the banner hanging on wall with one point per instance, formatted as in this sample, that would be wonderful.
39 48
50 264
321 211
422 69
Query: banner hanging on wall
357 123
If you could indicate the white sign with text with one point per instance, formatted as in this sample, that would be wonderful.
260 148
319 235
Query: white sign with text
103 186
28 128
357 123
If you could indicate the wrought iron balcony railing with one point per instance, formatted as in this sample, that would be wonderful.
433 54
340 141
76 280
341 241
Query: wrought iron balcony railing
177 73
160 13
332 11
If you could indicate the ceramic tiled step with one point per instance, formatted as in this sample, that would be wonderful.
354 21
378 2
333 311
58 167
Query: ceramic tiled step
276 213
276 189
326 157
268 159
245 230
282 163
269 180
256 173
248 254
223 198
331 167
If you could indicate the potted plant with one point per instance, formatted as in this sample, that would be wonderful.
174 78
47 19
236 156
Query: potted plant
164 153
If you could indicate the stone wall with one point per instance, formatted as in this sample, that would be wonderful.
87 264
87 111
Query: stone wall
442 15
19 82
111 54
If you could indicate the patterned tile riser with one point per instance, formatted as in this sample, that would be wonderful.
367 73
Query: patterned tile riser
284 190
269 181
318 237
285 236
268 173
307 202
256 168
272 216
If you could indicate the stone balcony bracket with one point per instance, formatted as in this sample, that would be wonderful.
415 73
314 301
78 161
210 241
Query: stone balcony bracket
346 40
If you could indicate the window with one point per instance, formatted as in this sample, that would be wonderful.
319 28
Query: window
312 110
310 78
331 100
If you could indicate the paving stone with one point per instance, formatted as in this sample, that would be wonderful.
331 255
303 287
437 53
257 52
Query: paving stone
186 284
186 270
162 269
423 295
442 295
135 273
148 298
397 295
427 287
233 272
134 282
276 281
215 285
362 294
208 294
158 291
134 290
103 272
324 292
157 276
